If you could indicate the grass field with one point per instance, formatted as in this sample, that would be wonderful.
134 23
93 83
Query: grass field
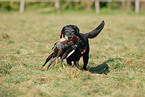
26 40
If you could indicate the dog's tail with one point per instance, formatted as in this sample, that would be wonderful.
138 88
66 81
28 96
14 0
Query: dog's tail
96 31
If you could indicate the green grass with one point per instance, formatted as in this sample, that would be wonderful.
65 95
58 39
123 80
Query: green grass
26 40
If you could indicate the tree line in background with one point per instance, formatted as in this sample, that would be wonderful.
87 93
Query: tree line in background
129 6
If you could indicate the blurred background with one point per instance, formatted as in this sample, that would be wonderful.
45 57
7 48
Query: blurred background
98 6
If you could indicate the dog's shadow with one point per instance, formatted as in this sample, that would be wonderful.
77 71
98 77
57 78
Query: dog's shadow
102 68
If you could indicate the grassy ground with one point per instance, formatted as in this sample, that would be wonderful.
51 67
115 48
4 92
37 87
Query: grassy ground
26 40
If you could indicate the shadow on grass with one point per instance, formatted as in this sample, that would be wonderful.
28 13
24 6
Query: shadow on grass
103 68
100 69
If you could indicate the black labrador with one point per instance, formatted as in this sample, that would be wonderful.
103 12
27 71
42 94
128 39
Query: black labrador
83 49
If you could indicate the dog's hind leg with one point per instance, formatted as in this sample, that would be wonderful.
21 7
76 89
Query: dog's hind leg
85 60
48 58
52 60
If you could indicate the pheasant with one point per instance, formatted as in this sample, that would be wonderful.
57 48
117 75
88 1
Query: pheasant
62 49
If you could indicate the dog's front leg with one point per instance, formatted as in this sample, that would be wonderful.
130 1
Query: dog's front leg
69 62
76 63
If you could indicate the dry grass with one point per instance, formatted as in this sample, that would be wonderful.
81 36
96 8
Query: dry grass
26 40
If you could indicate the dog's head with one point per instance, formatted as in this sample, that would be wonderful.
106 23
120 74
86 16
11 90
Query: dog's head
69 31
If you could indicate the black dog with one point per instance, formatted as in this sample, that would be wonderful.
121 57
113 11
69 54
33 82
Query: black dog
83 49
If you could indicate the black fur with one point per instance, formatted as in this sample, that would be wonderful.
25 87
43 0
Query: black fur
69 31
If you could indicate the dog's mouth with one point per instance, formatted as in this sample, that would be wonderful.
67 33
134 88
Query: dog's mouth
66 37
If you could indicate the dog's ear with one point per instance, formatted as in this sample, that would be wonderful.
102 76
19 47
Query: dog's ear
62 32
77 30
